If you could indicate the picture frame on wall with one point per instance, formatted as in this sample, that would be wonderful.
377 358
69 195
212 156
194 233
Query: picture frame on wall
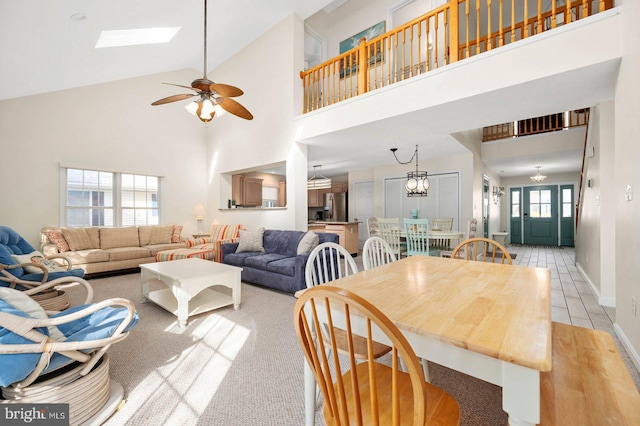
354 41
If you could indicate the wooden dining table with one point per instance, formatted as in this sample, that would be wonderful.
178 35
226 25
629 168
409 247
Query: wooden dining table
490 321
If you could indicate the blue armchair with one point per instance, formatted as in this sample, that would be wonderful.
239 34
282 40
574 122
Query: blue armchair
61 358
24 268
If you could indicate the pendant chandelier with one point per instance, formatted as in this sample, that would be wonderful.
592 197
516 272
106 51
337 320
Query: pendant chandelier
318 181
417 184
537 178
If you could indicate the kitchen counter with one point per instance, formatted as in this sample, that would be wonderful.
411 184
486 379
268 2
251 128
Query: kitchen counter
347 232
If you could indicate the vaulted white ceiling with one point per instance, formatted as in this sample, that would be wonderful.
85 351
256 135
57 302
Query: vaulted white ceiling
44 50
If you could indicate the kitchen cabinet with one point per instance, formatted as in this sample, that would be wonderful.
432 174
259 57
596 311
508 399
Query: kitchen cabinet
247 191
316 197
340 187
347 234
282 194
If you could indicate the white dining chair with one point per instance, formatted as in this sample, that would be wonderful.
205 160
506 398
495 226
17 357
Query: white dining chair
376 252
373 228
441 224
328 262
390 231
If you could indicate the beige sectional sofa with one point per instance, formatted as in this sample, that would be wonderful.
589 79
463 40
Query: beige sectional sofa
99 250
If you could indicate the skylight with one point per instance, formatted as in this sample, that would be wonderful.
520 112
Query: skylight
134 37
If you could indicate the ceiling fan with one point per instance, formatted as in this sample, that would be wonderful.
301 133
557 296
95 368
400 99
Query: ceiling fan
212 98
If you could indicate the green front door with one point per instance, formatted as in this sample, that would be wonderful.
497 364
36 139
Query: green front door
567 222
515 216
540 214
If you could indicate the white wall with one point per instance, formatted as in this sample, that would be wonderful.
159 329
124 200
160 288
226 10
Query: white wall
626 157
462 163
266 72
109 126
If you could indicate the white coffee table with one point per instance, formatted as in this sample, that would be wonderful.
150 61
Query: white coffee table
188 283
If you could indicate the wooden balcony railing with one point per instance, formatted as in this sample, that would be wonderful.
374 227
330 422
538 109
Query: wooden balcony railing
456 30
532 126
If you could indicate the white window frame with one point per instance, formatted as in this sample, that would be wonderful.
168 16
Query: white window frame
117 207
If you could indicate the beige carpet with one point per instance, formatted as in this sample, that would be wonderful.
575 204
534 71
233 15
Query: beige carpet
231 367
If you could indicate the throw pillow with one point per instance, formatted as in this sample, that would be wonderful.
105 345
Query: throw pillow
77 238
250 241
36 258
308 242
22 302
56 237
161 234
177 234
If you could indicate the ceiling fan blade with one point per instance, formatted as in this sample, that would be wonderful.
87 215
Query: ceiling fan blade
180 85
234 108
226 90
173 99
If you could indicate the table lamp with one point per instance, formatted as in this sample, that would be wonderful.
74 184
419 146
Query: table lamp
199 212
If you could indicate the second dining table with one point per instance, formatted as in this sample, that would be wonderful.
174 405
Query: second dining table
486 320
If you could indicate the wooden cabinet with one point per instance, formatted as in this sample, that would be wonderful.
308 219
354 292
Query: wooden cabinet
246 191
340 187
316 197
348 235
252 192
282 194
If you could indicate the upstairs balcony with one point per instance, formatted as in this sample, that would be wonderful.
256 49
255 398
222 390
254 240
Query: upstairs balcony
457 30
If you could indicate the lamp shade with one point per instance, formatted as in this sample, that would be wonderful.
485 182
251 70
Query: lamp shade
199 211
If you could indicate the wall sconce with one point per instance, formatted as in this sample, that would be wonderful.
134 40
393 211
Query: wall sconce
498 191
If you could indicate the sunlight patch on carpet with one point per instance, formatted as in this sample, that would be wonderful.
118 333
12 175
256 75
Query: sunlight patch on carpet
187 382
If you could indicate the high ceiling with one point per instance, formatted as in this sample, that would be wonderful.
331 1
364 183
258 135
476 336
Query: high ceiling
44 49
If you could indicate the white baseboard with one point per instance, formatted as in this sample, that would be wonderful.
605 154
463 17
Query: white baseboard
635 358
602 301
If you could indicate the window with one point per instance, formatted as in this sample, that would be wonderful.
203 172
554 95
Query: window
108 199
567 202
515 203
540 203
139 196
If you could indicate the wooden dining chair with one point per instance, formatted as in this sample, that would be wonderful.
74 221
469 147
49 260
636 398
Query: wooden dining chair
481 249
376 252
367 392
390 231
328 262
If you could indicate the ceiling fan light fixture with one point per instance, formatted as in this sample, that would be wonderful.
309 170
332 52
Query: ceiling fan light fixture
207 109
192 107
211 98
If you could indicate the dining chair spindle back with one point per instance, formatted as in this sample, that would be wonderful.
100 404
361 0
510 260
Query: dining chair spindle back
390 232
366 392
482 249
376 252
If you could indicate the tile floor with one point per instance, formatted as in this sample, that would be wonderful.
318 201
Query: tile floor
572 301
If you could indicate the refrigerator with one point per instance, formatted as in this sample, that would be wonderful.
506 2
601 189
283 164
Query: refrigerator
335 207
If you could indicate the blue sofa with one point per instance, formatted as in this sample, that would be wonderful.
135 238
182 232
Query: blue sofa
279 267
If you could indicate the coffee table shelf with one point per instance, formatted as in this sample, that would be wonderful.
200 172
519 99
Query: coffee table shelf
189 283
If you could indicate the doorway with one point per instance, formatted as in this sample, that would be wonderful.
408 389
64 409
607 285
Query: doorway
485 206
362 208
539 213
